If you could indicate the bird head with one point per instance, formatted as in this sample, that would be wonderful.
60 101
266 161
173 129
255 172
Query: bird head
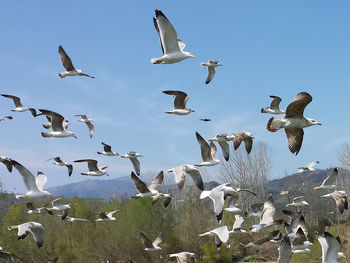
314 122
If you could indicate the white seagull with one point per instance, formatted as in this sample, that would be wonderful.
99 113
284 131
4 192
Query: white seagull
238 137
208 152
237 225
19 106
57 206
329 182
32 210
107 150
75 219
180 174
88 122
7 162
33 185
211 64
93 169
172 47
221 140
106 217
133 158
341 200
221 235
298 202
274 106
184 257
266 218
180 101
293 122
59 125
151 246
330 247
232 205
68 65
59 162
36 229
309 167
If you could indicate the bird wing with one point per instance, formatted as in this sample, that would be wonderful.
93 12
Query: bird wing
180 98
158 240
248 143
179 172
225 149
16 100
166 32
110 214
57 159
213 149
38 235
40 180
27 176
333 247
146 241
211 73
341 201
135 162
275 103
302 225
257 207
331 178
167 201
65 213
23 230
91 128
300 238
238 222
295 139
103 215
311 165
268 211
237 140
141 186
298 198
181 44
157 181
66 61
197 178
7 162
92 164
70 169
295 109
222 233
56 119
205 148
106 147
156 197
267 237
218 200
285 251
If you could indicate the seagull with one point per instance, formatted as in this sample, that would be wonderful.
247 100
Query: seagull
293 122
151 246
285 251
172 47
107 150
180 101
88 122
93 169
208 152
330 247
328 183
33 185
36 229
57 206
32 209
7 162
298 202
19 106
238 137
205 119
274 106
59 126
59 162
104 216
184 257
221 234
150 191
232 202
257 244
133 158
309 167
68 65
221 140
340 199
300 243
266 218
211 64
7 117
180 173
237 225
75 219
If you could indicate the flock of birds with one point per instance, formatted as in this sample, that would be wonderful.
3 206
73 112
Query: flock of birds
295 238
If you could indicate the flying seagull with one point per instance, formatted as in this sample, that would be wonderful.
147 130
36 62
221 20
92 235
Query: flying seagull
59 162
68 65
330 247
232 205
239 137
19 106
93 169
151 246
34 185
211 64
257 244
237 225
309 167
36 229
221 235
107 150
298 202
88 122
340 199
184 257
180 101
274 106
208 152
180 174
205 119
266 218
221 140
57 206
150 191
293 122
285 251
75 219
133 158
32 210
7 162
59 125
106 217
329 182
172 47
7 117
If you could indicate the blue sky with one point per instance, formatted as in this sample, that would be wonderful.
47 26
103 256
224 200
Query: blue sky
267 48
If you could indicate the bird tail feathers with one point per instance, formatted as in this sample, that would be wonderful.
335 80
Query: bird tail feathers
46 135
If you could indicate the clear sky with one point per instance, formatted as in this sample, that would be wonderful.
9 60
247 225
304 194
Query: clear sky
267 48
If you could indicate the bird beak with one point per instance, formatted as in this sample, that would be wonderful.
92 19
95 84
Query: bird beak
234 190
193 56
